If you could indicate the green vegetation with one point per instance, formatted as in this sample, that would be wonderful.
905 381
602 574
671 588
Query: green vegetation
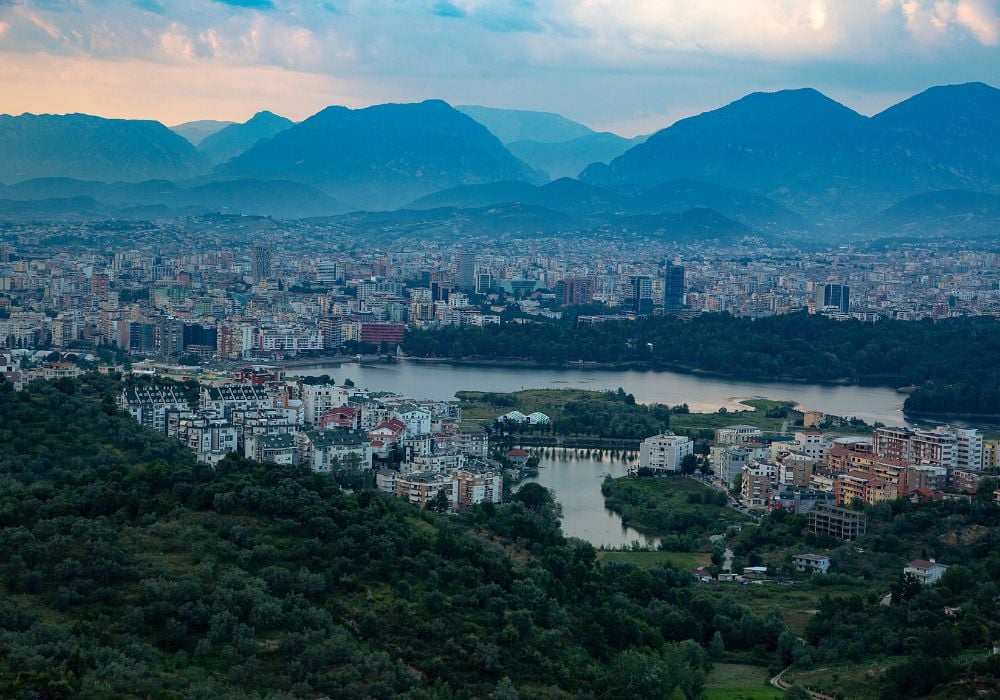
682 511
728 681
129 570
791 346
767 415
615 415
572 412
647 560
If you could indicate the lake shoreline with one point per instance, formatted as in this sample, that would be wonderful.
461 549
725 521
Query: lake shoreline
580 365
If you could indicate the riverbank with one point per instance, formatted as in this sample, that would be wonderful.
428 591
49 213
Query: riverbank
636 366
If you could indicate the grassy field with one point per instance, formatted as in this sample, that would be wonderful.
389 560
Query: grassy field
739 682
487 406
797 603
648 560
856 681
757 417
477 406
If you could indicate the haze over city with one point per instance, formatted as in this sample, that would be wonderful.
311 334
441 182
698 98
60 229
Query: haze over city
460 349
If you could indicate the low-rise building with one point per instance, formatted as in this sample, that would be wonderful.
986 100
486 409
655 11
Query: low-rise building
811 562
421 487
927 572
477 483
334 449
279 448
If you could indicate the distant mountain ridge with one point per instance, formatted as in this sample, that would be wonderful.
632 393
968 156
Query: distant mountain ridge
237 138
383 156
510 125
576 197
771 161
93 148
197 131
813 154
84 198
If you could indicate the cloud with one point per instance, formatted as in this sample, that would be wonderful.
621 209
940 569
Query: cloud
980 19
610 62
249 4
443 8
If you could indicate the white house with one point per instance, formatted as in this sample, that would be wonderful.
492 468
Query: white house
811 562
927 572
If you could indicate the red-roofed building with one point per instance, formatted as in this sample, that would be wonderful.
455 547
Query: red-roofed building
341 417
390 432
518 456
927 572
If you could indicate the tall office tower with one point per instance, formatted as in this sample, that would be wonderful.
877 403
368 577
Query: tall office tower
838 296
574 291
484 283
260 261
642 294
466 269
673 287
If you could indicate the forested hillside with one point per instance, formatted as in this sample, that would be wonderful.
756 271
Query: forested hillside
129 570
792 346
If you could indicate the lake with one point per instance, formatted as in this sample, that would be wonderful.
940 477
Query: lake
440 381
576 480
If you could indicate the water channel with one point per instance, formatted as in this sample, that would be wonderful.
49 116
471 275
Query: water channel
575 478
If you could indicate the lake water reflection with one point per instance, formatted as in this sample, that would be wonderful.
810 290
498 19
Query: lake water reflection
576 479
441 381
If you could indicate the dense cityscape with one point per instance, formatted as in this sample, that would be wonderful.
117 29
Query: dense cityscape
460 349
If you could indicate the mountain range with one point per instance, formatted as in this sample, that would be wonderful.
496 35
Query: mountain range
234 139
93 148
822 159
782 161
550 142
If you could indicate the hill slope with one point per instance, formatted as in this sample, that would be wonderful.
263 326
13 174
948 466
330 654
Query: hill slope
568 158
950 213
237 138
92 148
383 156
129 570
197 131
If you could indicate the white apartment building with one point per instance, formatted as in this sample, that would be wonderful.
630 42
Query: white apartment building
317 399
664 452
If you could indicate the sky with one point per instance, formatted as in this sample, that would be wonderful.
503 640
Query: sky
630 66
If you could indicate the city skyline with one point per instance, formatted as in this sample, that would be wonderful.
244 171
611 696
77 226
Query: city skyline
630 68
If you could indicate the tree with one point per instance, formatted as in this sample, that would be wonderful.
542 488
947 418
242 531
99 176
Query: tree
689 465
440 503
907 587
718 647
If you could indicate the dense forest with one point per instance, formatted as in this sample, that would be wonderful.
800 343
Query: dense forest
129 570
955 363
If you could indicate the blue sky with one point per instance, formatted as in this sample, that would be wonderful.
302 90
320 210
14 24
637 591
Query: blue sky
626 65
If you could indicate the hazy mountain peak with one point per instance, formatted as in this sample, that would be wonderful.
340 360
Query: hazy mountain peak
237 138
384 155
510 125
92 148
